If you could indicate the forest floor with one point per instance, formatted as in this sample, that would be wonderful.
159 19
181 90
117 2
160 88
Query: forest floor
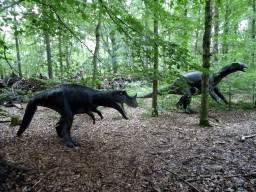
169 153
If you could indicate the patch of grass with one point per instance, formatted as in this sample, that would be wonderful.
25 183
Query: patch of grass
52 115
237 106
243 105
4 113
137 88
148 114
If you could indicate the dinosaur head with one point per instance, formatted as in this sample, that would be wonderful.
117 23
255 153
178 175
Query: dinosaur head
238 67
233 67
121 97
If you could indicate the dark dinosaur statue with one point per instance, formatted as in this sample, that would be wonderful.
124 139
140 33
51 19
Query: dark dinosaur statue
69 100
191 85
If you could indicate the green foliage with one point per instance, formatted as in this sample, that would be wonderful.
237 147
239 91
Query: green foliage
126 39
4 95
4 113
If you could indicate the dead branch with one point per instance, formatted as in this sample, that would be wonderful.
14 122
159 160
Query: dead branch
247 175
5 121
246 137
44 176
179 176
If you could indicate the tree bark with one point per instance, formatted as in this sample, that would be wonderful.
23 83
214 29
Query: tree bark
113 52
154 101
17 49
197 32
60 56
226 28
48 51
216 30
67 58
206 64
96 50
253 29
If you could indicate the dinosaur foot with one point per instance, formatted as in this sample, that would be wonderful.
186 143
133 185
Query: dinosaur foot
190 111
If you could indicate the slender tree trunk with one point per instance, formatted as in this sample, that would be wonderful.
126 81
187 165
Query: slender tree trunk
206 64
253 29
1 65
154 101
185 16
60 56
67 58
113 52
197 31
17 49
48 51
226 28
96 50
47 43
216 30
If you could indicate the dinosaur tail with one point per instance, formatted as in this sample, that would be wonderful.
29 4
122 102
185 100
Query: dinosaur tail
160 91
149 95
29 113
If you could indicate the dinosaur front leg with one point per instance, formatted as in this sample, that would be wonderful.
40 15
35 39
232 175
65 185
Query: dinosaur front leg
65 123
99 113
217 91
185 100
214 96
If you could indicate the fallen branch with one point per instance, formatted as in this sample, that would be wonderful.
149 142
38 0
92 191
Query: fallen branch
179 177
247 175
5 121
246 137
43 176
209 176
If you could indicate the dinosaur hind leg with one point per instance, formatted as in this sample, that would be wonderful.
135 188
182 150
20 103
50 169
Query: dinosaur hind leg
180 102
184 101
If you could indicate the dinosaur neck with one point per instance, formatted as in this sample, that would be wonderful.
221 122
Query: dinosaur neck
221 75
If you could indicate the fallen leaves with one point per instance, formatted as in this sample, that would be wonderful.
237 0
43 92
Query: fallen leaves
118 154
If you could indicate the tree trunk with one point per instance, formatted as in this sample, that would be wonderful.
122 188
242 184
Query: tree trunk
216 30
17 49
197 32
48 51
113 52
154 101
206 64
185 16
1 65
226 27
67 59
96 50
253 29
60 56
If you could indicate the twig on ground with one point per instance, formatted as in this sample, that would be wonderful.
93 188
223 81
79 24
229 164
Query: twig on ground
5 121
247 175
43 177
246 137
178 176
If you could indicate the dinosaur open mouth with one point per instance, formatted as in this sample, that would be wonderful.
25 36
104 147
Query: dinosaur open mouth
244 66
122 108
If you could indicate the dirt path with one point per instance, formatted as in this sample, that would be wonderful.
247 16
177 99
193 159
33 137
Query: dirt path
169 153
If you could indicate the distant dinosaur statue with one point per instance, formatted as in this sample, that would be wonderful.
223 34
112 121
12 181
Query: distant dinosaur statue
192 85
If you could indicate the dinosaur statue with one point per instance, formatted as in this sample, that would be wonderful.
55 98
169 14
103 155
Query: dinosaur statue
191 85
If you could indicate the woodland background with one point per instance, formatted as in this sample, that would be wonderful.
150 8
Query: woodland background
100 39
96 42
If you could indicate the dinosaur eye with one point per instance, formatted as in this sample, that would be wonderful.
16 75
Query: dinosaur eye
121 93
